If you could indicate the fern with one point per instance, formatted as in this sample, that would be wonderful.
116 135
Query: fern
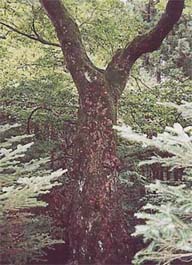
185 108
167 227
21 183
176 141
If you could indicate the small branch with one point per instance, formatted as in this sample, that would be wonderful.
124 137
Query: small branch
137 82
34 29
141 81
88 19
48 109
31 114
33 37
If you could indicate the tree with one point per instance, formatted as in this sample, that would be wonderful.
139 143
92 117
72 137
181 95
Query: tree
97 226
97 230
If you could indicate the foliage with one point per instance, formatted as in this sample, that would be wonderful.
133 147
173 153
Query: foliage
144 114
39 80
23 234
167 227
185 109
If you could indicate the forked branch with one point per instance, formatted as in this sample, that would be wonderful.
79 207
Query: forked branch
33 37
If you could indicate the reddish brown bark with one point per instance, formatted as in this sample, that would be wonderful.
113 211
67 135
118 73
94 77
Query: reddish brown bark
97 229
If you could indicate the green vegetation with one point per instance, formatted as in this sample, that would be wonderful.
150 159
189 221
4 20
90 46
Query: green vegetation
167 219
73 73
23 232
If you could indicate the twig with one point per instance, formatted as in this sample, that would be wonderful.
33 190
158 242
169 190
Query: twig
33 37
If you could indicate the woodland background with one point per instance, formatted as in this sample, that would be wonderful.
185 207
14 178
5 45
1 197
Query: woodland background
38 125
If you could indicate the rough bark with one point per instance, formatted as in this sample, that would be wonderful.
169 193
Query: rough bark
98 233
97 229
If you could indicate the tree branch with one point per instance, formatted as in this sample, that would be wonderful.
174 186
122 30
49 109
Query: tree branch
123 60
35 37
31 114
68 33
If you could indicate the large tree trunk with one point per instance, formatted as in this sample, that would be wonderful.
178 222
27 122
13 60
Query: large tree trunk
97 232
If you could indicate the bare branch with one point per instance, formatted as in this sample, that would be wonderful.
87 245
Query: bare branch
31 114
123 60
33 37
141 81
34 29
